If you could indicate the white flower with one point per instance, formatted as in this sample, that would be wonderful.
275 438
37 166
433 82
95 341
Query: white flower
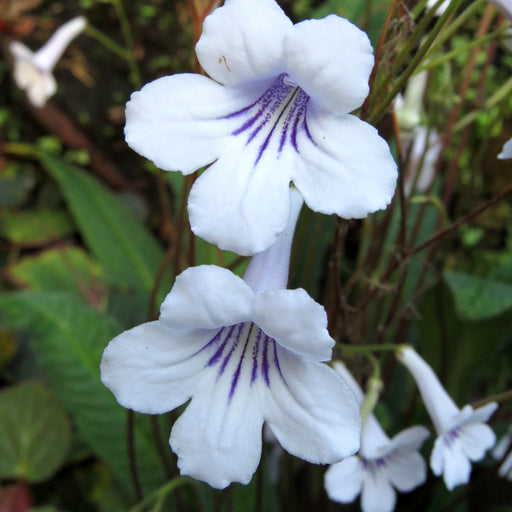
275 111
408 107
381 466
422 154
463 435
33 70
499 452
505 6
441 9
246 352
506 152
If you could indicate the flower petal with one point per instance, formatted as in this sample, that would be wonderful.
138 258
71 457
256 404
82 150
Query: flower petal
406 470
505 470
312 411
206 297
437 456
506 152
457 468
233 48
377 495
476 439
20 51
343 481
345 167
482 414
411 438
152 369
295 321
48 55
240 206
218 438
331 60
179 122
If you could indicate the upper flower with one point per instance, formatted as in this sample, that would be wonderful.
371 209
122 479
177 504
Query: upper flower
276 111
33 70
245 351
463 435
381 465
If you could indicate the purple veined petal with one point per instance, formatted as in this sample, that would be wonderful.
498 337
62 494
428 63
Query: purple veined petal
218 438
238 207
312 402
275 120
348 170
296 321
179 122
153 369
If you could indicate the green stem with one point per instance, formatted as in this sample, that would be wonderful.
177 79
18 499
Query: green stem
436 202
502 93
372 396
128 38
415 61
20 149
161 493
454 53
449 31
108 43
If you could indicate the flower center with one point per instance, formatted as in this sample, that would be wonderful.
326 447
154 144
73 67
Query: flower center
244 351
276 118
372 466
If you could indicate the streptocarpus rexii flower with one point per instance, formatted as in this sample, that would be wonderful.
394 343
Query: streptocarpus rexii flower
381 466
275 111
33 70
246 352
499 452
463 435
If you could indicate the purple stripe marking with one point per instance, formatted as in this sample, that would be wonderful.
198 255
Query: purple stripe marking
213 360
264 362
231 350
276 359
279 97
255 351
236 375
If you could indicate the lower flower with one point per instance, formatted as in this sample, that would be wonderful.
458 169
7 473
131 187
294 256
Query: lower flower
246 352
463 436
381 466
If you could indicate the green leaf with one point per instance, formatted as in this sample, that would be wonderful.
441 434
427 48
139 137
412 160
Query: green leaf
120 241
478 298
35 227
34 433
67 269
68 337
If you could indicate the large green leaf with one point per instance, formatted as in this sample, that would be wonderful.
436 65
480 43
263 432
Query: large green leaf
477 298
34 433
120 241
35 227
66 269
68 339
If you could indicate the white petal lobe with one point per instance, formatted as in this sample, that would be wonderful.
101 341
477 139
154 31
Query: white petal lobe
243 40
331 60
